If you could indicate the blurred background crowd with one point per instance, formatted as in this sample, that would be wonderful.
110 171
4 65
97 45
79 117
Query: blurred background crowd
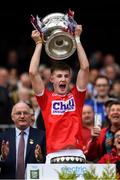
100 39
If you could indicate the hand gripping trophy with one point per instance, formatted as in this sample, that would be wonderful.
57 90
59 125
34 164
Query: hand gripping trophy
57 31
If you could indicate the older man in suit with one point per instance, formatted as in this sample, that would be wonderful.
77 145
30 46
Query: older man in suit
34 143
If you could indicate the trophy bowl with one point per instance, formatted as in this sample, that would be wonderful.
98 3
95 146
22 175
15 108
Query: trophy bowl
58 38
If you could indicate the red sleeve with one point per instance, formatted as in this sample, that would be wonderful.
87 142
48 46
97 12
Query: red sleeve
42 100
80 96
92 152
95 147
105 159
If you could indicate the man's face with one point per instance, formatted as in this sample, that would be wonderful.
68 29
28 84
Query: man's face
61 80
21 115
102 87
87 115
114 114
116 89
117 139
32 116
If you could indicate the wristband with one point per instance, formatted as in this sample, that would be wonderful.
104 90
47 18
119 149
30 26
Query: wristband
77 39
38 42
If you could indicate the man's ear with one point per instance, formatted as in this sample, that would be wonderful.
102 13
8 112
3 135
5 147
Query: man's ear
12 117
108 116
114 143
51 78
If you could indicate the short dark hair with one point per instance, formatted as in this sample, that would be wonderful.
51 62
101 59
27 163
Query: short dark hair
60 66
116 81
102 77
114 103
109 101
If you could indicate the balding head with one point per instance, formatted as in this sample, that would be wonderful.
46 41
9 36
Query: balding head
21 115
20 104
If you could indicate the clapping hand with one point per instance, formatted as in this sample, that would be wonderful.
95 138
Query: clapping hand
4 150
38 153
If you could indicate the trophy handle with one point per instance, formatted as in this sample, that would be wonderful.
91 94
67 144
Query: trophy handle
34 23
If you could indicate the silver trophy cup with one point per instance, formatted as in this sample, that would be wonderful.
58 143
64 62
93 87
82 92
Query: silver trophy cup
58 34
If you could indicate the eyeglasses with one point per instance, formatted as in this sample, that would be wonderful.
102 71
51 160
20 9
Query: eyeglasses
101 85
117 136
19 113
32 114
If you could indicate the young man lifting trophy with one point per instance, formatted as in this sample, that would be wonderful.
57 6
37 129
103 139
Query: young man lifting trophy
61 107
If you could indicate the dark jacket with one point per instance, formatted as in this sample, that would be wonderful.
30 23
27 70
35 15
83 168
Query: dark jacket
8 170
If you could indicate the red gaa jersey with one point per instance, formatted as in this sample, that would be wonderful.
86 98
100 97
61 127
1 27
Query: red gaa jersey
62 117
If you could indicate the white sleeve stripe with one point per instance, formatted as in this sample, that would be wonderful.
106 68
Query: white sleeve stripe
81 90
40 94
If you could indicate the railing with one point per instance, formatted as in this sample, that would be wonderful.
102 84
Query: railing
4 127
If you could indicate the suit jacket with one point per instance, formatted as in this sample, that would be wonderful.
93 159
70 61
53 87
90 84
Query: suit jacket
8 170
0 150
40 122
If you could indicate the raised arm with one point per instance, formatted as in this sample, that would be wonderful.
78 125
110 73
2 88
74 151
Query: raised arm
83 74
37 82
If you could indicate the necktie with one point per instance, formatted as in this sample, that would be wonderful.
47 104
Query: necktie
20 159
